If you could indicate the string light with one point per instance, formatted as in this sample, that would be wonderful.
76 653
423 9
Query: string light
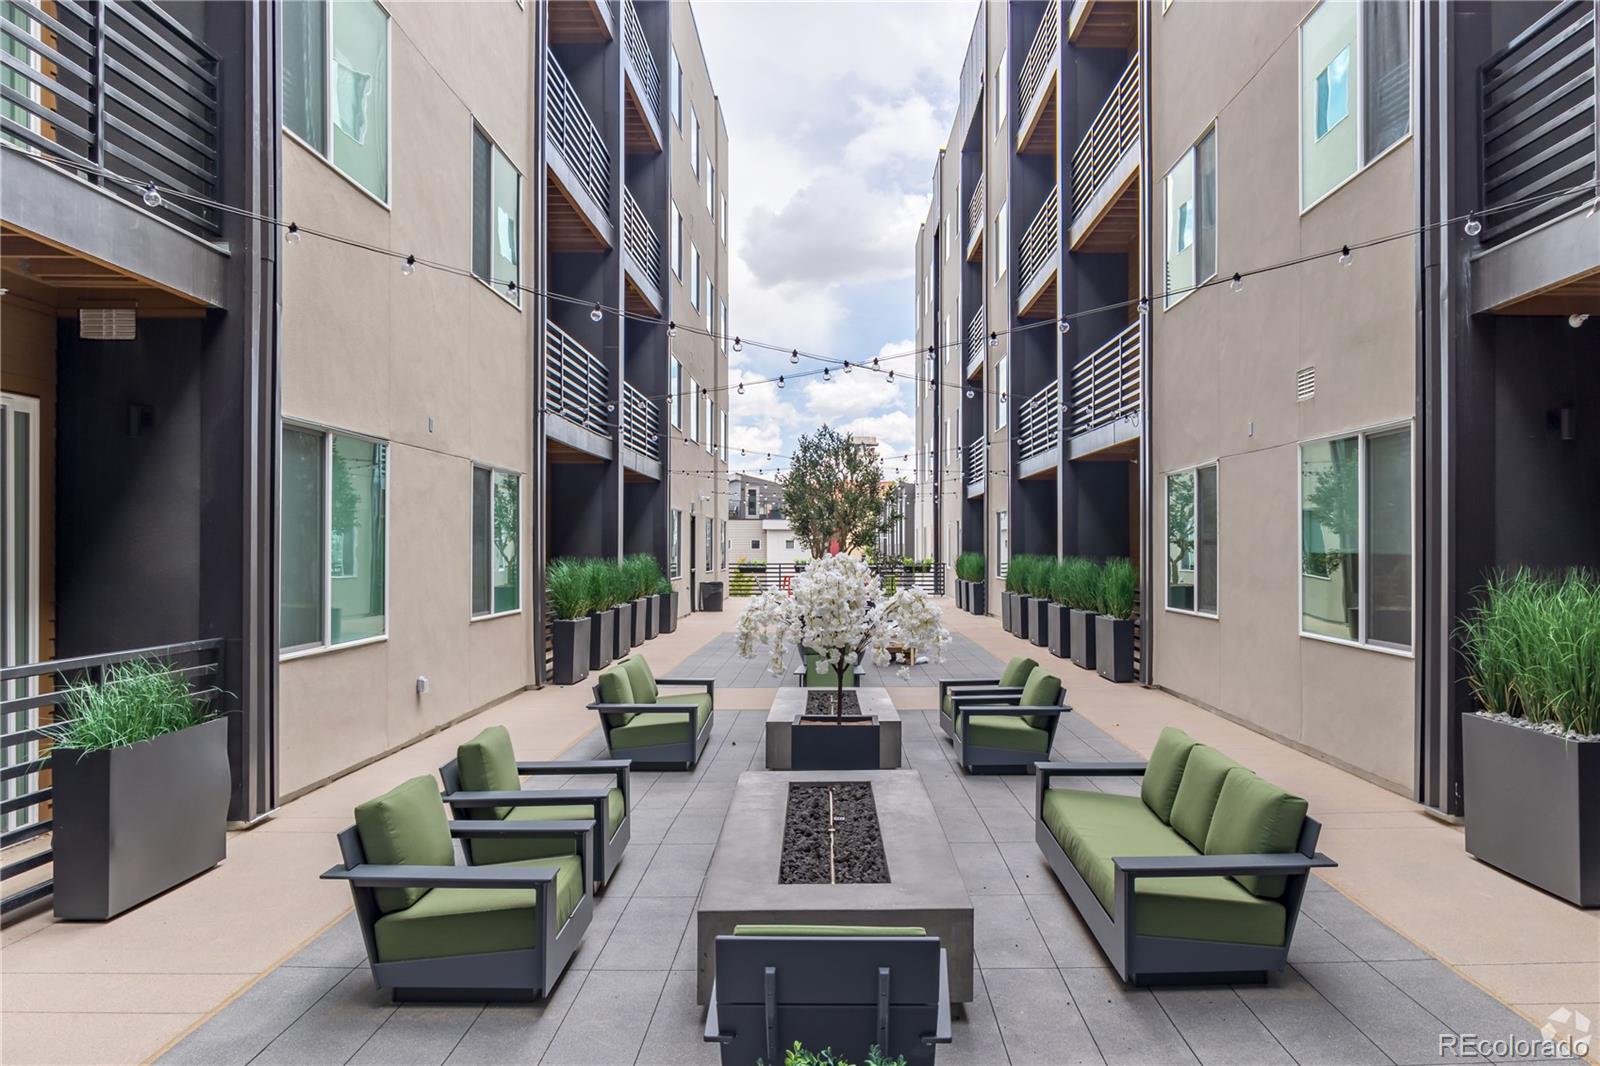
1577 320
152 196
596 314
994 338
794 356
738 345
1473 226
1345 256
846 367
891 377
409 267
1066 326
741 388
825 374
672 329
1237 284
780 381
969 394
292 234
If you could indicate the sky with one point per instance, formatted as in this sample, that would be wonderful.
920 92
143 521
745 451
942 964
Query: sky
836 113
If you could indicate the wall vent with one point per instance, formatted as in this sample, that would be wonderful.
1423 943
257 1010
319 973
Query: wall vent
107 323
1305 384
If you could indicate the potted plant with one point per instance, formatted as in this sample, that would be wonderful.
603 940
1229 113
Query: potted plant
602 614
839 612
1008 598
140 785
566 588
1041 577
1058 623
639 573
1081 584
969 574
620 593
669 605
1531 752
1113 628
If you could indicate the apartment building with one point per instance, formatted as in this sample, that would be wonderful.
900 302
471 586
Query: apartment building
1331 455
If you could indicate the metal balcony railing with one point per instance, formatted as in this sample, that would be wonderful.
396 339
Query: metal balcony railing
1038 424
639 238
640 421
638 52
1041 243
1114 130
1105 383
1040 54
977 461
576 383
975 208
1539 120
977 332
120 85
577 137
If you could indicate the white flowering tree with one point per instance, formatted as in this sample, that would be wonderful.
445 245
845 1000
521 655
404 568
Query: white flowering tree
839 611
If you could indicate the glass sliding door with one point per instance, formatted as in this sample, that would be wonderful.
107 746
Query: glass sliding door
19 585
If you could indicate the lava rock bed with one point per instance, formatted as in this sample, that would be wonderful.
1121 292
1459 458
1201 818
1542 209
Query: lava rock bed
822 703
858 857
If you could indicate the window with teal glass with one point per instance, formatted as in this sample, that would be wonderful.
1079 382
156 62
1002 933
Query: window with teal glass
496 541
335 85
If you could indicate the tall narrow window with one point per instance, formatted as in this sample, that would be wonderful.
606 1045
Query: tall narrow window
724 310
675 91
1000 85
675 391
301 568
675 553
1355 90
694 276
711 423
694 140
1191 202
1002 384
694 410
1002 543
335 78
711 188
722 439
1205 157
1192 540
496 217
711 303
722 220
1000 242
675 239
496 541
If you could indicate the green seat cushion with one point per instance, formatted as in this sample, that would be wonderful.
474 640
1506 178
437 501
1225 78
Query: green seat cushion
405 826
615 687
487 764
829 930
640 678
827 677
1011 732
698 700
1042 689
1164 772
1203 774
485 850
475 921
658 727
1095 828
1015 675
1255 817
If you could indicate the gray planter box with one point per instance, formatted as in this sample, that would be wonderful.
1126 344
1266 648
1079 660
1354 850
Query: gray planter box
640 607
711 596
602 638
1532 806
963 595
622 637
132 822
669 613
980 597
1038 623
652 616
1008 603
1021 615
569 637
1082 638
829 746
1113 647
1058 630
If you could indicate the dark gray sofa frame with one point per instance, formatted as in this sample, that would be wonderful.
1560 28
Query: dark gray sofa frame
1154 960
846 993
978 759
524 974
478 806
968 685
678 755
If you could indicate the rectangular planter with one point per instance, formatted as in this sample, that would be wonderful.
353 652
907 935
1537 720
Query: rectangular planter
622 638
827 746
132 822
980 597
652 616
1058 630
570 639
640 606
1008 601
1113 647
1082 638
1532 806
1038 623
1022 614
602 639
669 612
963 594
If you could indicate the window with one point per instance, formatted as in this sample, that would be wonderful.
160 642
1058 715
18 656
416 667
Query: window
1191 193
788 544
1355 538
724 327
675 91
755 543
722 220
1355 90
694 410
675 391
496 541
1192 540
711 303
999 244
336 85
722 539
711 423
1002 384
496 212
694 276
949 234
711 188
333 581
722 441
1002 544
711 545
675 555
675 239
750 503
694 140
1000 84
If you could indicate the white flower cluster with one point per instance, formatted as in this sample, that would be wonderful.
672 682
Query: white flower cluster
839 610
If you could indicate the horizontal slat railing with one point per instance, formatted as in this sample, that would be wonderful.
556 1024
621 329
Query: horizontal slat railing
577 137
1105 383
1114 130
1538 121
640 419
750 579
975 207
577 384
1041 242
639 239
24 745
977 330
119 84
977 461
639 57
1038 424
1040 54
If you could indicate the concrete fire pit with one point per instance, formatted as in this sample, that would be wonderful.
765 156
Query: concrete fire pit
790 702
924 887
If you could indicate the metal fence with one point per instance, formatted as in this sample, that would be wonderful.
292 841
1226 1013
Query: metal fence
640 419
1114 130
1105 383
576 382
1040 55
639 57
577 137
750 579
1041 243
1039 423
639 239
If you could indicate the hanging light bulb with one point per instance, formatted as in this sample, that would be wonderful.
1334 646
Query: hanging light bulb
994 338
511 287
738 345
1237 284
825 374
969 394
847 366
409 267
1345 256
875 362
741 388
672 329
152 196
794 356
1577 320
780 381
610 407
654 437
891 377
1065 326
1473 226
596 314
1144 305
292 234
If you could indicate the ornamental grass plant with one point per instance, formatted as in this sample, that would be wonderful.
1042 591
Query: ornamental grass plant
969 566
132 702
568 588
1077 584
1119 588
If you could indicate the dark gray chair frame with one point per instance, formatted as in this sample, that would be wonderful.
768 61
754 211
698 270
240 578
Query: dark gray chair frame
519 975
1154 960
677 755
968 685
478 806
846 992
977 759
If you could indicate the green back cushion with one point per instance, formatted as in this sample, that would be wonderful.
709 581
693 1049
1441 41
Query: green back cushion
616 688
1203 774
1042 689
1164 772
640 679
405 827
1015 675
1255 817
487 764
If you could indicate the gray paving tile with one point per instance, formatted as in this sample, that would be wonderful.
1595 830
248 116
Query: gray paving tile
1394 1021
418 1036
650 826
635 860
608 1020
1038 1019
975 1037
1455 1001
1029 870
1219 1028
238 1032
675 870
1352 926
1312 943
608 910
340 946
695 827
1009 824
335 1028
1128 1024
1307 1025
520 1032
983 869
646 936
677 1030
1004 934
1064 932
963 825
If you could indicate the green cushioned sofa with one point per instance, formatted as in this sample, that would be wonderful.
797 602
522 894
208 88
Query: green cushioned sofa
847 988
1005 729
1009 683
655 730
1198 878
484 782
439 932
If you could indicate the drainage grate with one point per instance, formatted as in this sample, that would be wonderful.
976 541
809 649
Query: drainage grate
1305 384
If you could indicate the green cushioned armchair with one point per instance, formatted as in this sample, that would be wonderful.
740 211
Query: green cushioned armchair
1009 683
655 730
1002 732
1197 879
439 932
484 782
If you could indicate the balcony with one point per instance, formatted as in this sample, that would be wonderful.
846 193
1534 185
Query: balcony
1103 409
642 122
580 22
1036 86
1039 260
580 170
577 387
975 222
1039 432
1105 172
642 258
1540 137
123 86
977 332
1103 24
977 467
641 429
